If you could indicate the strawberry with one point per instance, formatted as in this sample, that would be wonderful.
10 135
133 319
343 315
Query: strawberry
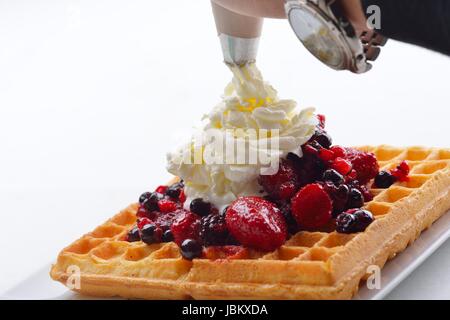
185 226
283 184
312 206
256 223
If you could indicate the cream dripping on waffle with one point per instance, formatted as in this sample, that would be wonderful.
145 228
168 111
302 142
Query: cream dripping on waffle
248 103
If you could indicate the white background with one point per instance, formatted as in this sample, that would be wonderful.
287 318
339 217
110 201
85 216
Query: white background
93 94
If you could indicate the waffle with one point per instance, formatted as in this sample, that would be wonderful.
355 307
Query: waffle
310 265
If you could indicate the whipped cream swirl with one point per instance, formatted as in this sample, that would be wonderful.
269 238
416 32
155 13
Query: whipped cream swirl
249 105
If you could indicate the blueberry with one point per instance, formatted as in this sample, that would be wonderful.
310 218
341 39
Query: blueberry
167 236
342 192
384 180
345 223
363 218
355 199
144 197
150 233
191 249
200 207
333 176
133 235
174 190
151 203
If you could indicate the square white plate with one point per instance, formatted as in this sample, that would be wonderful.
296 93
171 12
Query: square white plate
40 286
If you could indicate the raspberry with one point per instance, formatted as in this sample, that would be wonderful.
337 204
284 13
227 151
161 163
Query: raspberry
167 206
165 220
214 230
142 212
283 184
364 163
401 172
326 155
256 223
312 206
185 226
141 222
342 166
339 151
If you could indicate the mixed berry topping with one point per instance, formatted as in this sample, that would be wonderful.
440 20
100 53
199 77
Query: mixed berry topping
320 187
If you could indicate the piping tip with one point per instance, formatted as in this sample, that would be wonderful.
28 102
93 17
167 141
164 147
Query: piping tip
237 50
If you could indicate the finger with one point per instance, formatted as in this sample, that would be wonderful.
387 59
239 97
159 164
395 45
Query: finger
255 8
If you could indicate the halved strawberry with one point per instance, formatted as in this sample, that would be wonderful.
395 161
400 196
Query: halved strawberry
256 223
312 206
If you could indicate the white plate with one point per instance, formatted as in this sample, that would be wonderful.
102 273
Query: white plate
40 286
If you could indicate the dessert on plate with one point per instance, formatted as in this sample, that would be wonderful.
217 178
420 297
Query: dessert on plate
295 217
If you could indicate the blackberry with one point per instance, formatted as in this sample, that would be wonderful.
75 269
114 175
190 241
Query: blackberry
290 220
150 233
174 190
333 176
200 207
355 199
384 180
191 249
214 230
133 235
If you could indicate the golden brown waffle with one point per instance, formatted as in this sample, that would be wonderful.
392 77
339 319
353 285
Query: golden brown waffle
311 265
